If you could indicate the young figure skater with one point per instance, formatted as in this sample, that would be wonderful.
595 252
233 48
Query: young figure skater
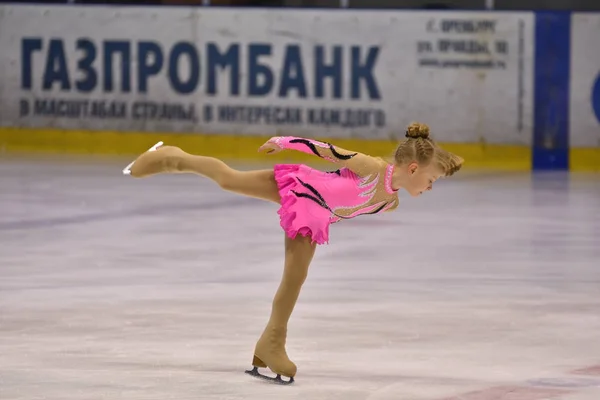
310 201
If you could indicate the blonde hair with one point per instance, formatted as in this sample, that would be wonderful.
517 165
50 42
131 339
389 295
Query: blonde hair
419 147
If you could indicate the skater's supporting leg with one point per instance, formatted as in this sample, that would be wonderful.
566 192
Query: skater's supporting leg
299 253
270 348
168 159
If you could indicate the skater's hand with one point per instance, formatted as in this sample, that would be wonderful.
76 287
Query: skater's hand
270 147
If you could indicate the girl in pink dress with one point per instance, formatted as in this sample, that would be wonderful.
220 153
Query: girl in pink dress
310 201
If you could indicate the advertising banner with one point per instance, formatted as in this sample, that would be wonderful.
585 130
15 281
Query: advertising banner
334 73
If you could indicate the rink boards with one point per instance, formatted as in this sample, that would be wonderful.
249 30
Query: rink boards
221 80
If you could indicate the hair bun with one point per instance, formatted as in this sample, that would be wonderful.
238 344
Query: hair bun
416 131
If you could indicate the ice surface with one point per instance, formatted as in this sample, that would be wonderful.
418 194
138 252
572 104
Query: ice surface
486 288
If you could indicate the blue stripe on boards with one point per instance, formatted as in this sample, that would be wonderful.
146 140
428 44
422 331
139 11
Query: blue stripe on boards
551 111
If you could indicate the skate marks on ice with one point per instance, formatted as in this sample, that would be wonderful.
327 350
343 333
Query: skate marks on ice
559 386
118 215
111 287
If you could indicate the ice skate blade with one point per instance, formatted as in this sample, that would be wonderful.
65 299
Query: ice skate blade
254 372
127 169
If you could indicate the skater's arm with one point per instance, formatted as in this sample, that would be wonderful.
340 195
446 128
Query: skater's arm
361 164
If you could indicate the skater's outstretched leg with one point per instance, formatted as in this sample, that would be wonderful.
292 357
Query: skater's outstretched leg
170 159
270 348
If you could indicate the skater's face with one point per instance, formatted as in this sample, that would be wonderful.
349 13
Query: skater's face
421 178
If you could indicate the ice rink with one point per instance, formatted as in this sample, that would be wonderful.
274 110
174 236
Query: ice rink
486 288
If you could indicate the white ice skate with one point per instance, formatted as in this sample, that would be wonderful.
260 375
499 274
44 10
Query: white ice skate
127 169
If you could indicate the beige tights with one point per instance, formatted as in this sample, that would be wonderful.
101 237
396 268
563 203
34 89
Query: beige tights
270 348
169 159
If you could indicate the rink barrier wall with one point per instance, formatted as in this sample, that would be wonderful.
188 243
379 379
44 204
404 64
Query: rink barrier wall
551 94
584 159
330 74
583 85
234 147
537 133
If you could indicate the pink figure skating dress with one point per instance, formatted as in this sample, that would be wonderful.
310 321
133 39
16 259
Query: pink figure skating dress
312 200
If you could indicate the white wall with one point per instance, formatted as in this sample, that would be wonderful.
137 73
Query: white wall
464 96
585 75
